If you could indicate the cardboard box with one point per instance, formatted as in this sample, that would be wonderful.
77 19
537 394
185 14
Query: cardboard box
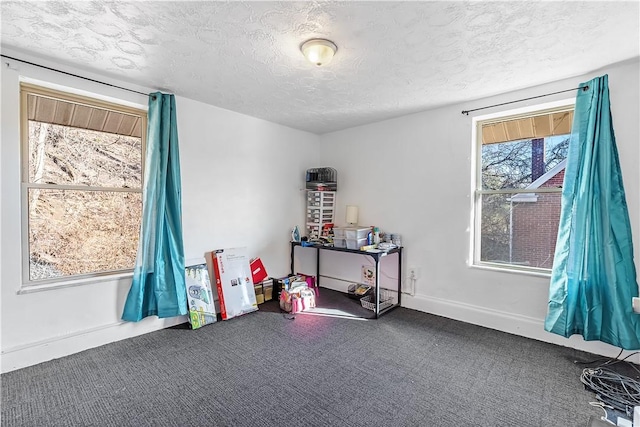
230 268
259 294
267 289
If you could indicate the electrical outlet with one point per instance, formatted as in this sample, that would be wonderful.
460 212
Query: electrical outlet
412 273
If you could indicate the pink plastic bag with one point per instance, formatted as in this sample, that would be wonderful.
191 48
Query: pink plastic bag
308 299
296 304
300 300
311 283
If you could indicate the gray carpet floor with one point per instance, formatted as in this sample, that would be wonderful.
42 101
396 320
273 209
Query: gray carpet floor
405 369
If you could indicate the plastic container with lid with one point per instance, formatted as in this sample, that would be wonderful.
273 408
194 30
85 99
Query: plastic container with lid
356 243
356 232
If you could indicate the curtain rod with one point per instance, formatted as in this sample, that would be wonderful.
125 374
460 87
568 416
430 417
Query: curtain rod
74 75
466 112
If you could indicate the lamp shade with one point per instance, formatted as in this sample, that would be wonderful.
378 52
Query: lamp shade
319 51
352 214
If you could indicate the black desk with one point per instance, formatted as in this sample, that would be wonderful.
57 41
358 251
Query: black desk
376 256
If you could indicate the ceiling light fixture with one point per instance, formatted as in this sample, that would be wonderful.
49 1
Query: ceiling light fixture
319 51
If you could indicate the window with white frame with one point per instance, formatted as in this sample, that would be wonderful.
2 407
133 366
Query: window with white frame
520 170
82 172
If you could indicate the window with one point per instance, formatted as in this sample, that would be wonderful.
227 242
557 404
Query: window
82 169
520 171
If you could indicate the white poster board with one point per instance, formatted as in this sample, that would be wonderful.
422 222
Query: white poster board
232 273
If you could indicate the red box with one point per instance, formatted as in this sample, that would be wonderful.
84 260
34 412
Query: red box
258 273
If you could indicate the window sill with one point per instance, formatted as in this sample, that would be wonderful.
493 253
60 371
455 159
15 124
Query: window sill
72 283
545 274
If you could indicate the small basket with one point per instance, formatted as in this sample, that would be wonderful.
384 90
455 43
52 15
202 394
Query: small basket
369 301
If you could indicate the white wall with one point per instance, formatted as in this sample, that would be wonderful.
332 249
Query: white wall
409 175
242 180
412 175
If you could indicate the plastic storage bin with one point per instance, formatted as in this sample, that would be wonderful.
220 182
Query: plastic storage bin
319 215
321 198
339 242
320 211
338 232
313 230
357 233
356 243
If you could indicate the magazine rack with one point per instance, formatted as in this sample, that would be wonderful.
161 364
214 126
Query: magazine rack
377 303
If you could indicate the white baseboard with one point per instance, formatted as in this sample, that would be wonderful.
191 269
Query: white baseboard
334 284
507 322
21 356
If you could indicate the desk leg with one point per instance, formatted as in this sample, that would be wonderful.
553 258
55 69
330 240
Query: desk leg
318 268
377 260
293 272
399 275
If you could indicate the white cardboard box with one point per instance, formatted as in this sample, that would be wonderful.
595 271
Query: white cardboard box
234 284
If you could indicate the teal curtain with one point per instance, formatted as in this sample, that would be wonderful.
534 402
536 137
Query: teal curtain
593 279
158 287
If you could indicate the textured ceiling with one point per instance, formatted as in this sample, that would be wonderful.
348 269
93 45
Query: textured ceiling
393 58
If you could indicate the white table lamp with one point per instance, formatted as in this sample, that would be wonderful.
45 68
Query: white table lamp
352 215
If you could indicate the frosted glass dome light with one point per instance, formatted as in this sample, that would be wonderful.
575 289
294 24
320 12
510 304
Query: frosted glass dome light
319 51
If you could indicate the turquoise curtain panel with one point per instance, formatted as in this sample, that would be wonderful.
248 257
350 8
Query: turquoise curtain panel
593 279
158 287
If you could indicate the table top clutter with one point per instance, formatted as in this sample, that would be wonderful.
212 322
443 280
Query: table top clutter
355 238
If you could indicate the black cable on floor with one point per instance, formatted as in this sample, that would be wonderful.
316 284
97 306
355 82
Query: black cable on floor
612 388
